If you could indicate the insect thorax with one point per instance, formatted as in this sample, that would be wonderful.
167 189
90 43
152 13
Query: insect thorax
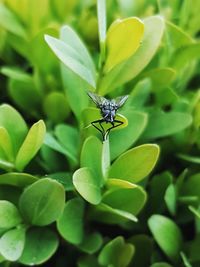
108 111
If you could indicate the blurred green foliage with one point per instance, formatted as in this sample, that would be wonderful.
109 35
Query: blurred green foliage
66 198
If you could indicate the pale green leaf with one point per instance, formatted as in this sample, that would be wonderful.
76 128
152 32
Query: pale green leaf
70 57
12 244
87 184
70 37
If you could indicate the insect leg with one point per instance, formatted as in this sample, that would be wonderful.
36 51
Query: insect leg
113 126
100 123
101 130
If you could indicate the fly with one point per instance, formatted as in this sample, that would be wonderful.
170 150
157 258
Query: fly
108 109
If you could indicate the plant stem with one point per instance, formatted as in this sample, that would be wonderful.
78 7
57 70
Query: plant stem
105 158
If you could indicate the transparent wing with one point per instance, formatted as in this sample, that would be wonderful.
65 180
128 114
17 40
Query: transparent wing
119 101
97 99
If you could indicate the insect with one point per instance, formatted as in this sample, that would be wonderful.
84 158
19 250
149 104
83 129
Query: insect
108 109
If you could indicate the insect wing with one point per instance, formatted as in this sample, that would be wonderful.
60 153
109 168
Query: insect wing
98 100
119 101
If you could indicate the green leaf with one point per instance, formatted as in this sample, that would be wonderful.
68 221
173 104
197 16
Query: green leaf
112 216
70 37
63 9
6 165
87 184
91 156
154 28
185 260
135 164
166 97
15 73
166 123
18 44
122 41
42 202
129 199
143 250
2 259
167 235
117 204
121 141
117 183
192 248
10 193
189 158
171 198
17 179
176 37
65 178
51 160
15 125
70 223
56 107
9 215
116 253
196 212
157 188
68 137
140 94
10 22
74 88
12 244
25 94
88 261
160 77
31 144
40 245
23 90
39 50
91 243
6 144
186 55
191 187
51 142
161 264
70 57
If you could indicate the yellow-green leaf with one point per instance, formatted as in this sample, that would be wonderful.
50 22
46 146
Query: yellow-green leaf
123 39
135 164
31 144
5 143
